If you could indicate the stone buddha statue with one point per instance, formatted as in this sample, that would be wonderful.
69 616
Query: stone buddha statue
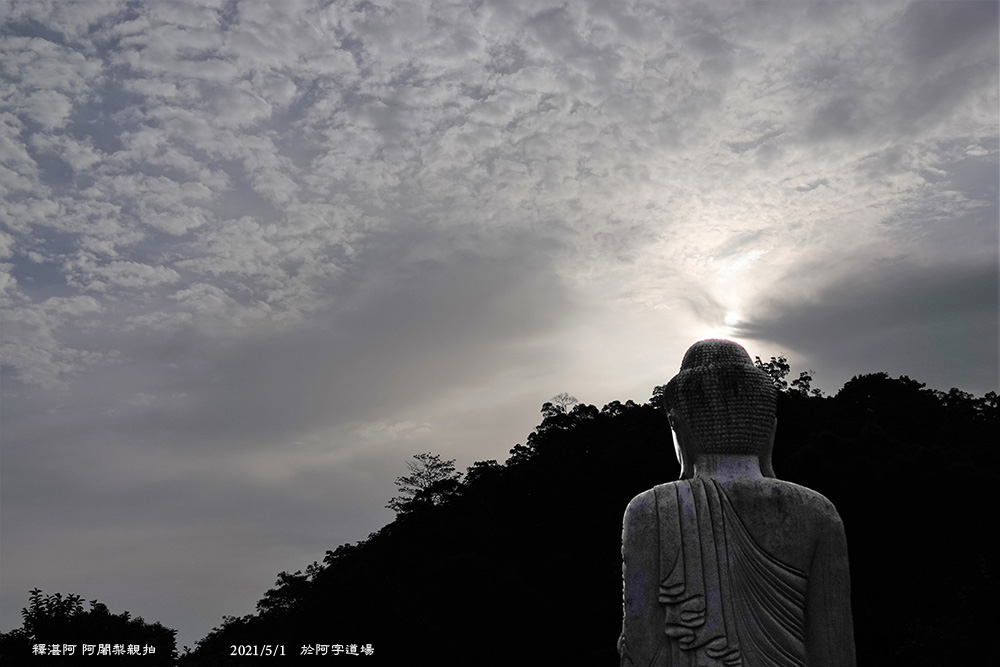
730 566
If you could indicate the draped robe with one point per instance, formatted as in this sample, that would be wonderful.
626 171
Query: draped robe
699 591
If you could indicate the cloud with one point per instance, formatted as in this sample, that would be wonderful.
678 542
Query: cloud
18 171
262 155
936 33
51 79
40 65
30 344
904 315
48 108
132 275
70 19
417 320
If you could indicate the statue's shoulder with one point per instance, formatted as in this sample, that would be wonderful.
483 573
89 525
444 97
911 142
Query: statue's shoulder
647 500
784 519
804 499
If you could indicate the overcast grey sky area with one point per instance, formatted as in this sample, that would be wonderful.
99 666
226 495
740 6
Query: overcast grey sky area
257 254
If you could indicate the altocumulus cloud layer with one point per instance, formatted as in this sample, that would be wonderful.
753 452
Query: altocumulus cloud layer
256 254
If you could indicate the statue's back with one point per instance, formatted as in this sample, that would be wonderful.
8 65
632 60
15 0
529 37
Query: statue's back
741 572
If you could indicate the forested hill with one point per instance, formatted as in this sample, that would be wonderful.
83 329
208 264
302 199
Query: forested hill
520 562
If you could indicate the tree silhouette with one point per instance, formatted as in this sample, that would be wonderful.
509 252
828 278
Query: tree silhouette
777 368
54 620
561 403
803 383
656 400
430 481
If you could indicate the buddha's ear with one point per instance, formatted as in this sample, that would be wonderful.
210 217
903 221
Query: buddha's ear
682 429
684 444
677 421
766 468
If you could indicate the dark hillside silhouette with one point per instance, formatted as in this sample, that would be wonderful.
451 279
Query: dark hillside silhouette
496 572
520 562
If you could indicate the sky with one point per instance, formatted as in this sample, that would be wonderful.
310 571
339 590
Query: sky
255 255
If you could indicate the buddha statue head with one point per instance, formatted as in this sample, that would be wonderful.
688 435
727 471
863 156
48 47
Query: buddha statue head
721 404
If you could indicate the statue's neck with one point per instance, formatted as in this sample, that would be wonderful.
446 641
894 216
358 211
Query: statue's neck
728 466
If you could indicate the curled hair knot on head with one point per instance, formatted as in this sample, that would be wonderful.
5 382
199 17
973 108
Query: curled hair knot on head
727 402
